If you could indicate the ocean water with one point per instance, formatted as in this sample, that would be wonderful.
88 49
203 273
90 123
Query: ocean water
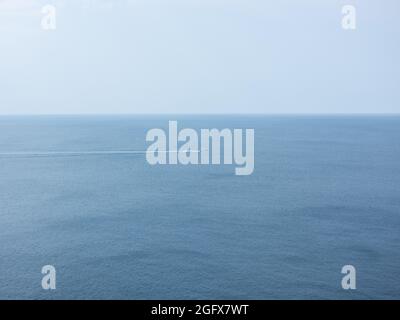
325 193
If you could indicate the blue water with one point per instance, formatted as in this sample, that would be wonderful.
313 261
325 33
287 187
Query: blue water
325 193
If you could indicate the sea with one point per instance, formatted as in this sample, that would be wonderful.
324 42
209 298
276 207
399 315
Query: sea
324 194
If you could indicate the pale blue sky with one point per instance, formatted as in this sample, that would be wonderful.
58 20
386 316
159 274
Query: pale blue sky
199 56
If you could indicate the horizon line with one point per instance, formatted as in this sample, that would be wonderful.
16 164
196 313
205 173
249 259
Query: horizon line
207 114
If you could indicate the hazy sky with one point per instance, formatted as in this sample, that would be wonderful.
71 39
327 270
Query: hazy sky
199 56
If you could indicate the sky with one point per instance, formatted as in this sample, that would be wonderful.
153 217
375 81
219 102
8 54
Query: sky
199 56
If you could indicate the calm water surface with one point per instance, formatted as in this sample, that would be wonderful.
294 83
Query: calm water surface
325 193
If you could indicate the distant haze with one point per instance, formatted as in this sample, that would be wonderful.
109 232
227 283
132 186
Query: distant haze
199 56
